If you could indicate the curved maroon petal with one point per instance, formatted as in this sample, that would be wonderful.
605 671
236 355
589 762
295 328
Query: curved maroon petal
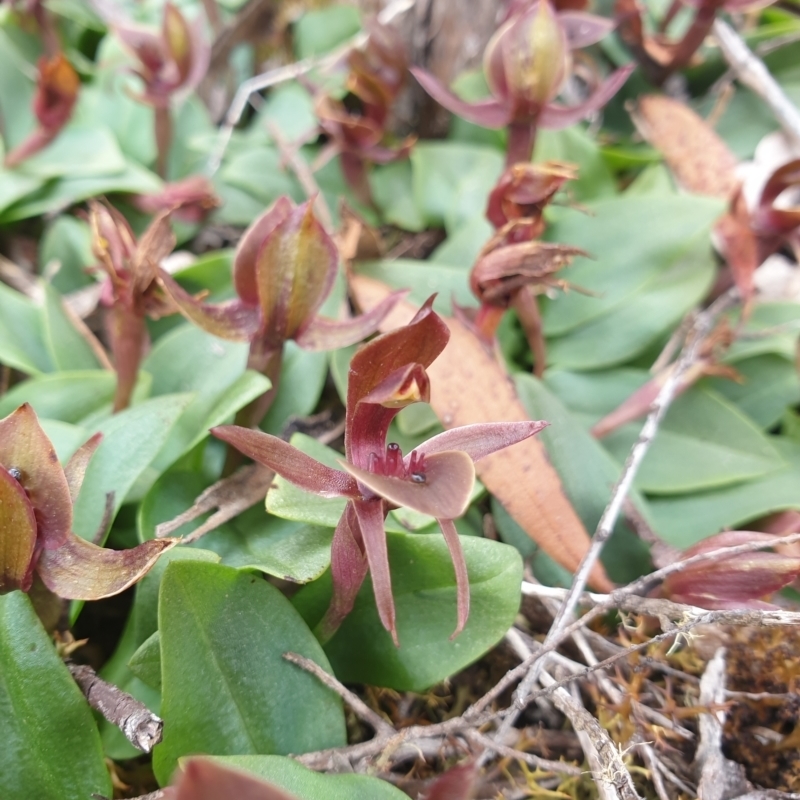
80 570
289 462
17 535
460 566
487 113
327 334
481 439
24 446
584 29
442 491
348 569
555 116
244 262
370 520
233 320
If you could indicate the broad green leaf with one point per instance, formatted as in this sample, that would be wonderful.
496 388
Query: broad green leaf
289 502
291 108
50 750
321 30
68 349
704 442
131 440
424 591
145 663
303 376
464 244
309 785
682 521
293 551
424 278
771 328
67 396
142 623
22 344
261 173
588 475
632 243
67 243
649 314
452 180
188 359
393 193
66 438
14 186
228 630
769 385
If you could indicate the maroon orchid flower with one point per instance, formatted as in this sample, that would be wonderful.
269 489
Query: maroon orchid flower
56 93
513 267
36 498
737 581
436 478
172 62
283 270
190 200
130 291
357 124
527 63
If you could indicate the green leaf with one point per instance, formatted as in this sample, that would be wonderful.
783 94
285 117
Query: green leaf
131 440
704 442
68 349
309 785
188 359
463 246
21 339
51 749
66 396
587 473
319 31
67 242
392 189
424 590
261 174
452 180
682 521
145 663
228 630
293 551
291 108
771 328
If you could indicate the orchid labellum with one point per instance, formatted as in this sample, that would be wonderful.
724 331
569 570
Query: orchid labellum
527 63
283 270
36 498
436 478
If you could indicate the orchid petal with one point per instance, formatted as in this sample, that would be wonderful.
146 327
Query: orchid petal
584 29
348 570
556 117
325 334
407 385
127 335
202 779
487 113
25 446
78 462
289 462
370 520
481 439
444 493
233 320
244 262
17 535
80 570
460 565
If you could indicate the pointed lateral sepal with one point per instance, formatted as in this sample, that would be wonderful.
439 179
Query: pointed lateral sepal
298 468
328 334
481 439
443 491
80 570
460 566
202 779
370 520
25 447
75 470
234 320
17 535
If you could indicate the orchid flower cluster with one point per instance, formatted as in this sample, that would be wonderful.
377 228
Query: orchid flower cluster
436 478
527 64
357 124
513 266
283 270
36 538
